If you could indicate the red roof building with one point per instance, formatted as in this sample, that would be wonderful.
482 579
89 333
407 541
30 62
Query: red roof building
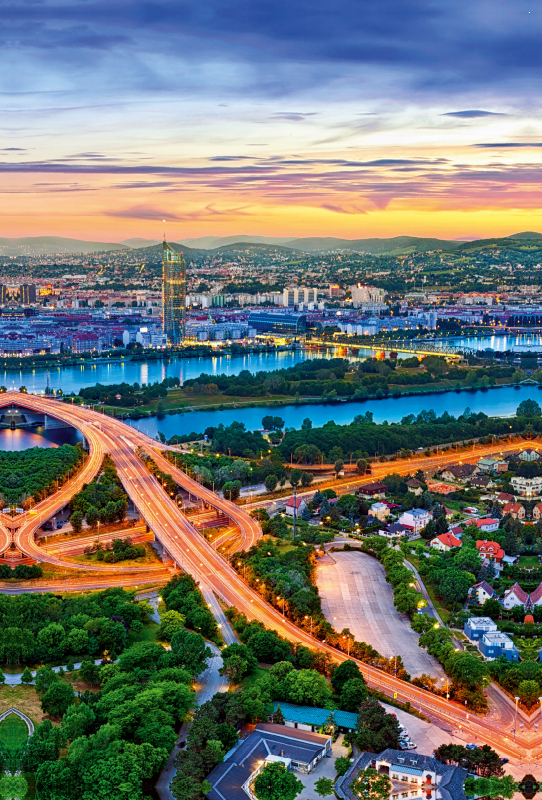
445 542
490 550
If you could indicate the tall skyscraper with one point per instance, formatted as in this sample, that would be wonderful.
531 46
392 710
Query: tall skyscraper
174 294
4 294
27 293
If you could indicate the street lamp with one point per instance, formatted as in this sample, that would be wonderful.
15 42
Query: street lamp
307 617
516 717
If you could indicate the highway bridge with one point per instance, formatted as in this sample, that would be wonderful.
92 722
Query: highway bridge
192 553
420 348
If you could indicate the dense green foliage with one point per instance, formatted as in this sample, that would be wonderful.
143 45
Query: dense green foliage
275 782
127 395
483 760
33 473
181 594
102 500
45 628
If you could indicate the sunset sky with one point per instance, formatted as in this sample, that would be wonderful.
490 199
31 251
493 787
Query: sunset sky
292 118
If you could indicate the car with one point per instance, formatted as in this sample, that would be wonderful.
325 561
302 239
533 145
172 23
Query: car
407 745
505 760
471 746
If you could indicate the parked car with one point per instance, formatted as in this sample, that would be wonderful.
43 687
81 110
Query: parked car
471 746
407 745
505 760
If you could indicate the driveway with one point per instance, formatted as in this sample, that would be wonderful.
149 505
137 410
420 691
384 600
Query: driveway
355 595
325 769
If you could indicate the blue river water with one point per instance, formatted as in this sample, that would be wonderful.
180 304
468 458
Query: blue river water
494 402
23 438
519 343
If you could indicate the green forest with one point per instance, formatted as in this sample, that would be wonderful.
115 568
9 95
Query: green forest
33 473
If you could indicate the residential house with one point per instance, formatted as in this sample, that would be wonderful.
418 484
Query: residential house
483 591
416 519
481 482
297 749
299 505
537 511
504 497
415 486
394 530
379 511
372 490
529 455
490 551
535 598
445 542
475 627
495 644
515 596
491 466
515 510
306 718
487 524
457 531
458 472
527 487
411 774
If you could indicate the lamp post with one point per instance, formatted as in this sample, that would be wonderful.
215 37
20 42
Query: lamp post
307 617
516 717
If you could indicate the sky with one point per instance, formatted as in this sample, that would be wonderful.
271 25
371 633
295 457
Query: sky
294 118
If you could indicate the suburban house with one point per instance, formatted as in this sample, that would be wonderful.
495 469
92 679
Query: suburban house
445 542
490 466
411 774
529 455
504 497
457 531
379 511
458 472
537 511
535 597
483 591
299 505
296 749
515 596
371 490
306 718
481 481
487 524
490 551
394 529
475 627
527 487
416 519
414 486
495 644
515 510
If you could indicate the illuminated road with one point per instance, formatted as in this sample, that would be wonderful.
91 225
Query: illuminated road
193 553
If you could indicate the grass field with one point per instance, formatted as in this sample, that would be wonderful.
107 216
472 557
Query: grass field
529 561
251 679
24 698
13 731
150 557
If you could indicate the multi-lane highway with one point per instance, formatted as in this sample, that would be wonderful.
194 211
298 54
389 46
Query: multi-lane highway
193 553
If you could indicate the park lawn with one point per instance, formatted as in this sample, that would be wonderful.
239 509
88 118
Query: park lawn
150 557
529 561
13 731
250 680
147 634
23 698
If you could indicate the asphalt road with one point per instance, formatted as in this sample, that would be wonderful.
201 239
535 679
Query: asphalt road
355 595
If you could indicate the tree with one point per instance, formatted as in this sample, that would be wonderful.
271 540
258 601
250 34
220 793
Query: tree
375 730
278 716
57 698
295 477
271 483
343 673
354 693
362 465
338 467
234 669
27 676
192 650
77 720
231 490
529 408
324 786
306 479
371 785
170 623
491 787
342 765
76 521
306 425
89 672
275 782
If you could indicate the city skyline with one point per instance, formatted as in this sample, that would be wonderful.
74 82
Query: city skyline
407 118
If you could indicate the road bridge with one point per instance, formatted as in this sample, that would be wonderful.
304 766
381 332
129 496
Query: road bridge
194 554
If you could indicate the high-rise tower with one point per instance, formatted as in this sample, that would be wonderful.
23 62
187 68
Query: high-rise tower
174 294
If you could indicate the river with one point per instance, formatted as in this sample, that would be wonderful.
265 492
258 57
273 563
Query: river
500 402
520 342
23 438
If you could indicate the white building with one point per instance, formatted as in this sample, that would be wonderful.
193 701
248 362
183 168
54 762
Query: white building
368 298
527 487
294 295
416 519
380 511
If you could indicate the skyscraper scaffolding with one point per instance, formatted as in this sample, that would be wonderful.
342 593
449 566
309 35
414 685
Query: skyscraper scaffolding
174 294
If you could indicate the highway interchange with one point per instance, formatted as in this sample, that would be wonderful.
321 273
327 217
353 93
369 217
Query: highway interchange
190 551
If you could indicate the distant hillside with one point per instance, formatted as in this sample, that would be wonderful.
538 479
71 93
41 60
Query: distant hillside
154 252
137 243
48 245
393 246
519 242
526 235
253 248
214 242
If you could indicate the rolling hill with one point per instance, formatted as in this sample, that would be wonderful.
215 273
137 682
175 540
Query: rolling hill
49 245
